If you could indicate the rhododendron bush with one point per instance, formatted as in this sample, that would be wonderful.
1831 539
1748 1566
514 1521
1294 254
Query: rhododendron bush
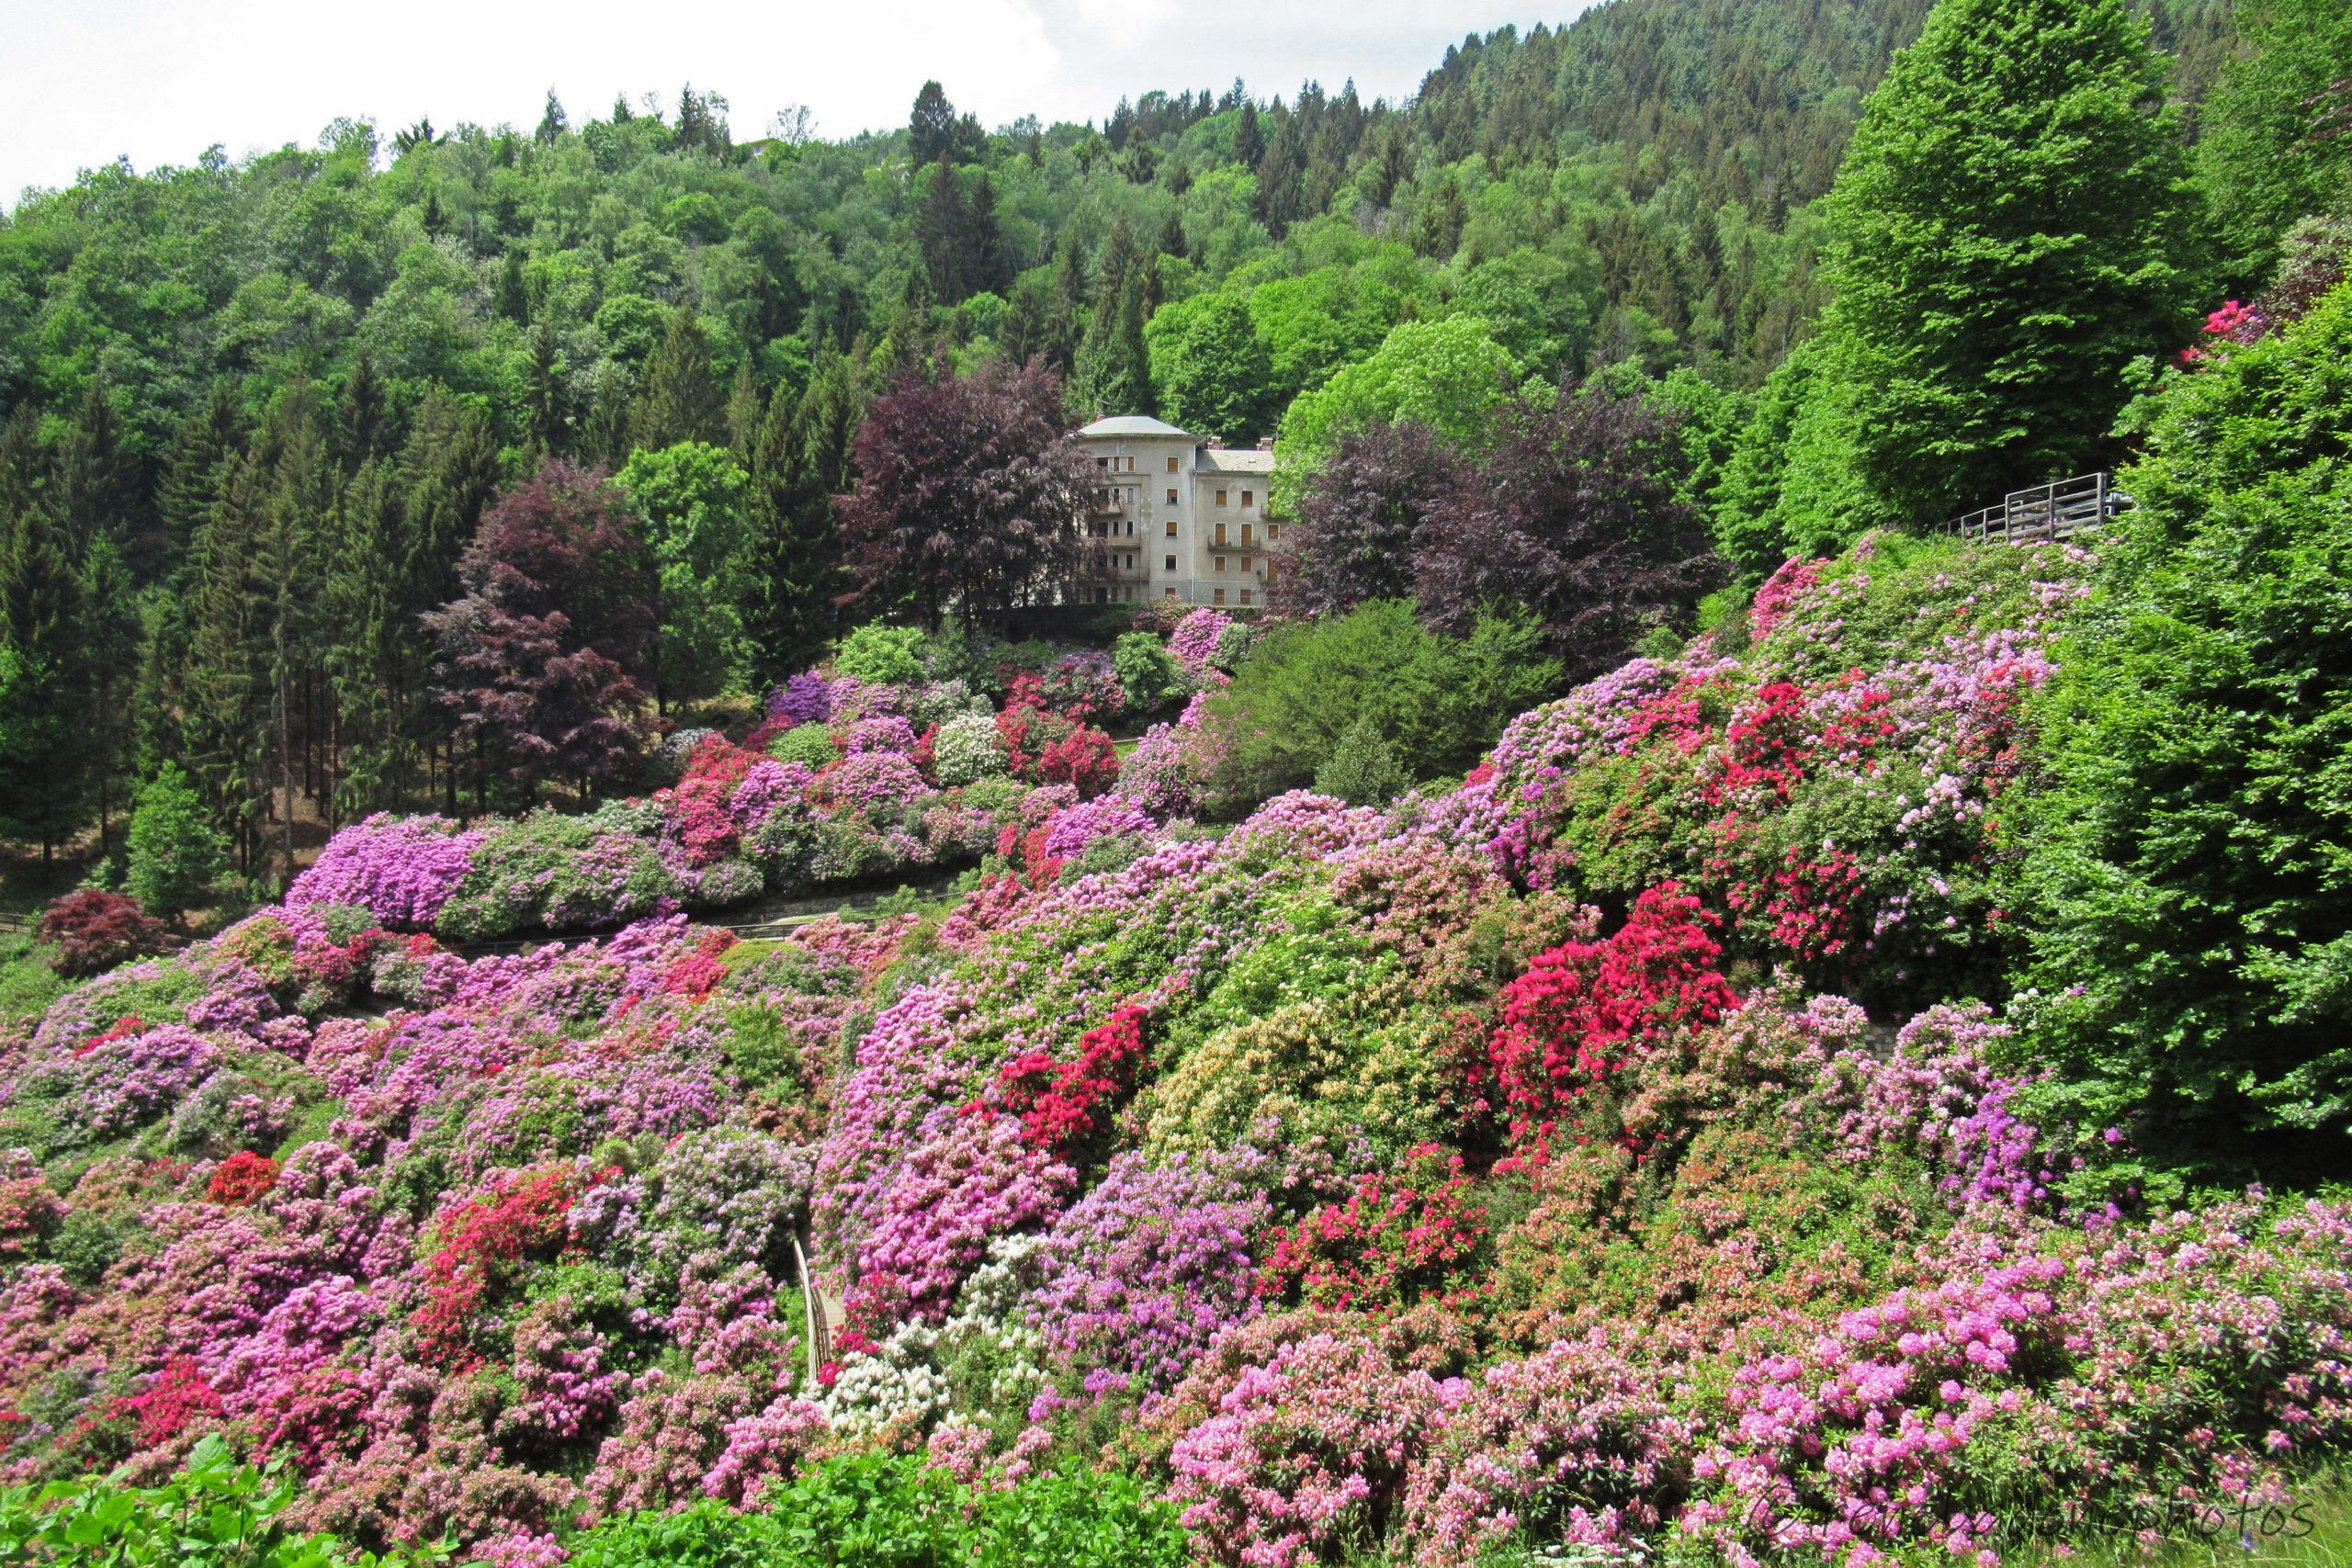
847 781
1622 1152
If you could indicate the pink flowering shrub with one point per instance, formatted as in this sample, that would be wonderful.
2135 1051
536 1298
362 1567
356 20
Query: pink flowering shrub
1581 1442
1306 1453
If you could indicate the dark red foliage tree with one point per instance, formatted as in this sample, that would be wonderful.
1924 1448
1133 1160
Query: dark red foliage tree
1361 520
1574 516
970 496
91 929
541 662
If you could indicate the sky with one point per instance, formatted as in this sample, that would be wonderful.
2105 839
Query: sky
83 82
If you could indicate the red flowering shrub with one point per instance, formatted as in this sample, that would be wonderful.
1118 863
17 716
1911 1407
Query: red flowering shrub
481 1240
1583 1008
1807 905
1065 1105
1398 1236
1085 759
699 808
93 930
242 1179
173 1397
699 973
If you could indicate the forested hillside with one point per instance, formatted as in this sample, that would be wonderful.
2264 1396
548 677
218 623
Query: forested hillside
261 407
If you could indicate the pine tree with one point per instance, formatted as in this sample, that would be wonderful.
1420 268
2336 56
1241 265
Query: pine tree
543 396
987 263
799 465
227 682
45 751
99 491
552 123
743 413
943 231
679 397
362 413
931 127
109 634
206 438
1114 368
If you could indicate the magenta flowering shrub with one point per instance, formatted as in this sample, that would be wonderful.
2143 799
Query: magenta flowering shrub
1194 643
400 870
978 1179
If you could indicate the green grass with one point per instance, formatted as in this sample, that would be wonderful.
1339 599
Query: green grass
2314 1531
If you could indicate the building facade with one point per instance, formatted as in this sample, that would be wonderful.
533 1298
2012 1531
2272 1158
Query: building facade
1177 518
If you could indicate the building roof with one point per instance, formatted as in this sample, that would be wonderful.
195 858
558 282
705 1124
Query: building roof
1134 425
1237 460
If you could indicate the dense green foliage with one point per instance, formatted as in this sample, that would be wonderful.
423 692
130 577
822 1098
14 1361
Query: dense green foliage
2186 882
1434 701
883 1511
2277 143
2012 227
212 1513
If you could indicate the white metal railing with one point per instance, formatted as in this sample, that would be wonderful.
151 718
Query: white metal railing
2059 510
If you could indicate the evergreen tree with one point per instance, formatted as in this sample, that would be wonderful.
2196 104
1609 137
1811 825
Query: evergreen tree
799 464
363 413
943 231
543 396
679 399
176 853
931 127
45 686
744 413
1115 367
552 123
99 491
110 632
210 436
987 263
2012 227
227 684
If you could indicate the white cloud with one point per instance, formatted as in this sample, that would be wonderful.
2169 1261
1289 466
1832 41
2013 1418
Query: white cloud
159 80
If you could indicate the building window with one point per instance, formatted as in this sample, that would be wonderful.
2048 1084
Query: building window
1220 498
1220 595
1272 533
1101 462
1171 563
1269 572
1245 533
1249 498
1172 465
1172 498
1244 596
1220 563
1172 527
1170 594
1101 596
1220 532
1245 563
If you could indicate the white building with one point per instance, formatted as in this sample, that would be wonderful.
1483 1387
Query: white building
1177 518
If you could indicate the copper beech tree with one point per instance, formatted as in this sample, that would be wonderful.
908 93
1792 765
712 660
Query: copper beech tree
970 496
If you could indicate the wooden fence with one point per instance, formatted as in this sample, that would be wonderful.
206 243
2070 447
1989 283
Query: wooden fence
2051 512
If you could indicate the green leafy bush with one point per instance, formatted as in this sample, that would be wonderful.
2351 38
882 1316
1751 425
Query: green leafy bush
214 1513
888 655
2185 884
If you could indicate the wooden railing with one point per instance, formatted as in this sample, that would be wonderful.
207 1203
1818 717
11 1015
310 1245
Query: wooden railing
2057 511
